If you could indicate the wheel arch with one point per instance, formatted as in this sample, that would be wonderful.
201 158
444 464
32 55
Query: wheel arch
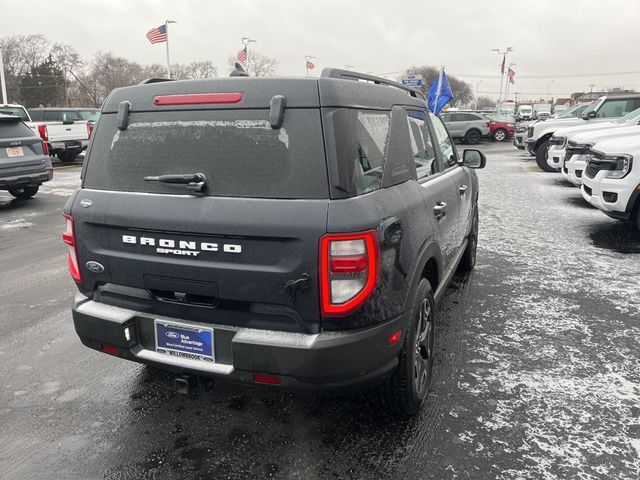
543 139
428 265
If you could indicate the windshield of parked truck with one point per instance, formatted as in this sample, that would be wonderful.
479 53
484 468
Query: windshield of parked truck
629 117
16 112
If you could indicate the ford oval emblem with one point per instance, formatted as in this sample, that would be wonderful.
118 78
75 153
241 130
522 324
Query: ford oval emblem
172 334
85 203
95 267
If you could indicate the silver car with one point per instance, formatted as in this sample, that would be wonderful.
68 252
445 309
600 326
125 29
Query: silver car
467 126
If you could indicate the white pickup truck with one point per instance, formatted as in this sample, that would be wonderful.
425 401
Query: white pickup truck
62 129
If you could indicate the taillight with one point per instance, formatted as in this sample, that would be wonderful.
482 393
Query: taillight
42 131
69 237
348 271
89 129
45 148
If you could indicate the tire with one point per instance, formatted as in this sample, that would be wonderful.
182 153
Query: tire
472 137
67 156
541 157
468 261
24 192
405 391
500 135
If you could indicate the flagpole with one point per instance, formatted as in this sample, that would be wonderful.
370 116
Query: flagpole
166 30
439 89
246 41
3 83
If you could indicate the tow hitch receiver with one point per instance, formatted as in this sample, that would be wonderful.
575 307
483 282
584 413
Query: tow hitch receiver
185 384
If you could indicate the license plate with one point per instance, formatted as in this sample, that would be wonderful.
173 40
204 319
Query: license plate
15 152
184 341
72 144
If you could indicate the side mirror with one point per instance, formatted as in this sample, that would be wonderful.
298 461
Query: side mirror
473 158
588 115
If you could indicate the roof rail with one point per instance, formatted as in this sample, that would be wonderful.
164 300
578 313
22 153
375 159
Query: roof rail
155 80
351 75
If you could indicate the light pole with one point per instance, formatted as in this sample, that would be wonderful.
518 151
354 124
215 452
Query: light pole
504 61
166 31
477 86
549 88
348 67
3 84
246 41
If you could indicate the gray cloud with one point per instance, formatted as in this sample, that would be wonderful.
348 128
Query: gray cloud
549 37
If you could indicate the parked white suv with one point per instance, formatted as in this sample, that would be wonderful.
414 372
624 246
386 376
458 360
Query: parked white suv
611 178
605 109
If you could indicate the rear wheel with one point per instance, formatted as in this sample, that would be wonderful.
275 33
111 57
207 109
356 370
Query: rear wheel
24 192
67 156
472 137
500 135
406 390
541 157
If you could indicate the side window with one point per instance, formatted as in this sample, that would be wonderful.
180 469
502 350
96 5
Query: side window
444 143
615 108
372 135
424 154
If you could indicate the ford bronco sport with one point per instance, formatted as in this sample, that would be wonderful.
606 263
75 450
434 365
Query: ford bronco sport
293 232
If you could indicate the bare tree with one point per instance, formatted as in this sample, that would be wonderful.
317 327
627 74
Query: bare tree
259 65
462 91
486 102
21 53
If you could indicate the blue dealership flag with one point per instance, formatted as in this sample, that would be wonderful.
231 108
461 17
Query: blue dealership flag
440 93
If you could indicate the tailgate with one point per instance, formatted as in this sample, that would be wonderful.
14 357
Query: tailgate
216 259
59 132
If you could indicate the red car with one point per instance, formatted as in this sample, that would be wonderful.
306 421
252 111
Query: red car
500 128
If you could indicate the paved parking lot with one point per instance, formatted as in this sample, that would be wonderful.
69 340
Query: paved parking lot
537 372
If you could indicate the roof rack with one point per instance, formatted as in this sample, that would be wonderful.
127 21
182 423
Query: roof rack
155 80
351 75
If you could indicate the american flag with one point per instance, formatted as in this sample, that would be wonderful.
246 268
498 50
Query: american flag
158 34
242 55
310 65
512 75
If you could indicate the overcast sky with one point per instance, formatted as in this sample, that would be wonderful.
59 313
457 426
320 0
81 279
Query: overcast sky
551 38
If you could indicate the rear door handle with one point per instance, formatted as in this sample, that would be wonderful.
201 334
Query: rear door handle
440 209
463 189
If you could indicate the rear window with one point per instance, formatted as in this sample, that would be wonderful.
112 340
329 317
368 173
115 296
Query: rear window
16 112
61 116
15 130
89 115
237 150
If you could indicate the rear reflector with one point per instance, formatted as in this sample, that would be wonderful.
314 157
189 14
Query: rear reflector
89 130
198 98
268 379
394 338
110 349
69 237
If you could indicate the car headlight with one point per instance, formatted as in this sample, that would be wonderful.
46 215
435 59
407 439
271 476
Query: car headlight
560 141
620 166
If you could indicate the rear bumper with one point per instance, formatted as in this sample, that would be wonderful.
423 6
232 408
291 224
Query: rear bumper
333 361
70 145
22 177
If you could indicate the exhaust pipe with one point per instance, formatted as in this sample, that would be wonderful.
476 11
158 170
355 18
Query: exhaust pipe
185 384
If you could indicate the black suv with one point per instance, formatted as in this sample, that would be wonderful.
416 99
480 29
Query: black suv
293 232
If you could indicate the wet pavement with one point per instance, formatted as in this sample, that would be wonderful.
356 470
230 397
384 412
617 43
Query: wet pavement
537 372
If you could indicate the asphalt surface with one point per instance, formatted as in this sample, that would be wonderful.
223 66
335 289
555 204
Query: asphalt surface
537 372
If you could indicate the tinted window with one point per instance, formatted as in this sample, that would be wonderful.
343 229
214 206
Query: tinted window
469 117
16 112
61 115
616 108
15 130
237 150
421 145
445 145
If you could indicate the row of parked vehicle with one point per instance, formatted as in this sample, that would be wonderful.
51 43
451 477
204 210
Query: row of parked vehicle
471 127
595 151
29 138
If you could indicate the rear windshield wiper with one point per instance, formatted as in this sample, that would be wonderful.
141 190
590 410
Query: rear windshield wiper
196 182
